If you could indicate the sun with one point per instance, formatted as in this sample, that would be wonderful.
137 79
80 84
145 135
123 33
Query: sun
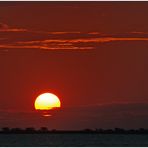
47 101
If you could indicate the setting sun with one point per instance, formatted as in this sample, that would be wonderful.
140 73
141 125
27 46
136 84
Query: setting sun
47 101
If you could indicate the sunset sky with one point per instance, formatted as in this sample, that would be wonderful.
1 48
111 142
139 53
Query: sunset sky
92 55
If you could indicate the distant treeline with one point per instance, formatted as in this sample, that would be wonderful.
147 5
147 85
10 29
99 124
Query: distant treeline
31 130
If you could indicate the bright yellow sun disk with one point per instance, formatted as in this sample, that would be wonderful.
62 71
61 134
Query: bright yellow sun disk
47 101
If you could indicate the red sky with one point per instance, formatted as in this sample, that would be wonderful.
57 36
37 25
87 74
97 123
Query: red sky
93 55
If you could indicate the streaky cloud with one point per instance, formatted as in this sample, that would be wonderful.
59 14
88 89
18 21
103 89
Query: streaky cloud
6 28
74 40
45 47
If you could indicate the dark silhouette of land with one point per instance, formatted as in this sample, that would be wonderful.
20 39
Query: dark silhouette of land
44 130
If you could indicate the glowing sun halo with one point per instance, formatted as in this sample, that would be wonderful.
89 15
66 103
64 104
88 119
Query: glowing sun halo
47 101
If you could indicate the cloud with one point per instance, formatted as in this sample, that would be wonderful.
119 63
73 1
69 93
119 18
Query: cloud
45 47
64 33
6 28
29 39
76 44
139 32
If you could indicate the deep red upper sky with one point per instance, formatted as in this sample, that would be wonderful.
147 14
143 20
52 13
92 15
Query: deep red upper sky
93 55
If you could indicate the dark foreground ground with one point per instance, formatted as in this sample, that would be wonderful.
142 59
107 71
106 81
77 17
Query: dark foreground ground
73 139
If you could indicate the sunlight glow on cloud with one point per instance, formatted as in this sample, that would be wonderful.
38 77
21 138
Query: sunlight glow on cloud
64 32
46 47
6 28
29 39
75 43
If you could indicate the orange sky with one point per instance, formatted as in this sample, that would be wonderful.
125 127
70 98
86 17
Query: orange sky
93 55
